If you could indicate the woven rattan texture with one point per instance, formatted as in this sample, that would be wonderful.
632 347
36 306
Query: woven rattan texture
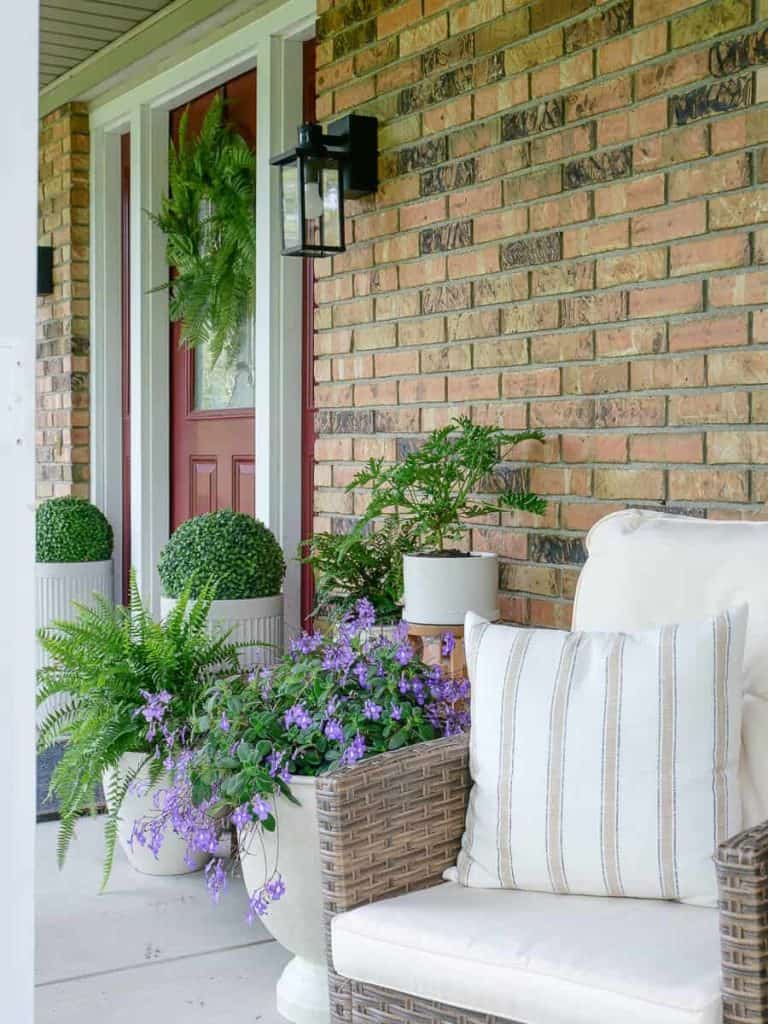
742 869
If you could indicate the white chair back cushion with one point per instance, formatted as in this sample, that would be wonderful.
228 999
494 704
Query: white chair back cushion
653 569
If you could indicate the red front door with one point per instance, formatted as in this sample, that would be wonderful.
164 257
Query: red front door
212 408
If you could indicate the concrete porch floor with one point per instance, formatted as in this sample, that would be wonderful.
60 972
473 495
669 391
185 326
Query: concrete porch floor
148 948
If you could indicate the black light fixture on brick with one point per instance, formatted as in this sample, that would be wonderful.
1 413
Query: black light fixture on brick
318 175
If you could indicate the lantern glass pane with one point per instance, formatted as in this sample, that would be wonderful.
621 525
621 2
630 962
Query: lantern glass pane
313 200
289 193
331 185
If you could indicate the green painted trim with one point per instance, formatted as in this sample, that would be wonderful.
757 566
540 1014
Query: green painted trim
156 31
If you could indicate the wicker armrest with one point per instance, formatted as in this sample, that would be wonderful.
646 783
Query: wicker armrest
742 874
392 823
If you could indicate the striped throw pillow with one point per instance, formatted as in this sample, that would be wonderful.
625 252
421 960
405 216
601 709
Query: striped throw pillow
603 763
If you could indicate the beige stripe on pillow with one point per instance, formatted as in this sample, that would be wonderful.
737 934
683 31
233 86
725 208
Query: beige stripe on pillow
667 767
556 760
611 743
512 675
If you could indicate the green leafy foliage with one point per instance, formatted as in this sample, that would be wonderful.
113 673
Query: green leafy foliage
72 530
368 565
328 703
103 666
208 219
235 553
438 488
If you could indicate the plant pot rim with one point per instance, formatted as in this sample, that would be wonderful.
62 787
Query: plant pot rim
194 597
444 558
64 565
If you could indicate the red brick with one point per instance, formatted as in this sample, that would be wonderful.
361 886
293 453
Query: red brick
668 372
676 222
596 378
646 265
739 289
715 407
529 383
744 208
738 367
627 196
559 348
399 18
583 515
598 98
462 387
714 176
632 484
633 123
666 448
395 364
708 485
708 333
422 389
596 238
625 51
417 215
379 392
666 300
740 446
715 253
594 447
689 67
637 339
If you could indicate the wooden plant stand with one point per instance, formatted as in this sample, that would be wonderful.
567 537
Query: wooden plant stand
427 641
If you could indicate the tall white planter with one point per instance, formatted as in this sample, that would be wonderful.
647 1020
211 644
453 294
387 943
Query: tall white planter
440 591
296 920
252 621
139 804
57 586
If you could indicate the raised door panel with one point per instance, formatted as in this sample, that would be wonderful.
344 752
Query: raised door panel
203 485
243 485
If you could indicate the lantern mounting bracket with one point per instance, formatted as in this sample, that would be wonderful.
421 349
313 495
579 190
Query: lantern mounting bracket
355 138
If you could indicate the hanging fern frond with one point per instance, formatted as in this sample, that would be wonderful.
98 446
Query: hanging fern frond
208 219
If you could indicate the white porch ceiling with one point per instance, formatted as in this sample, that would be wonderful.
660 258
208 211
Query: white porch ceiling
71 31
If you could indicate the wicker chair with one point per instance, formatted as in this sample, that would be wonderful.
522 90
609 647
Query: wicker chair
392 824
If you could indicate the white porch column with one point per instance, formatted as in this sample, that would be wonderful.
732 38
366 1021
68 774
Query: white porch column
18 215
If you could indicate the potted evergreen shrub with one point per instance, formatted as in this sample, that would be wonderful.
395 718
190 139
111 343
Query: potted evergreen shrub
437 491
260 743
241 558
74 558
127 689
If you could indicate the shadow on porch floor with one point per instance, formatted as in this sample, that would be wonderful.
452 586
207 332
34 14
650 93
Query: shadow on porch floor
148 948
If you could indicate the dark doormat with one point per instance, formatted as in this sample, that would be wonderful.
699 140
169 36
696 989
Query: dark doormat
46 762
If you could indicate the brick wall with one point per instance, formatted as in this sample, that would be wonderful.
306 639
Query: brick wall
571 233
62 318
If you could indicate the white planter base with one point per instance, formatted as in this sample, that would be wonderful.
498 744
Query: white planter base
57 586
296 921
440 591
171 858
302 992
253 622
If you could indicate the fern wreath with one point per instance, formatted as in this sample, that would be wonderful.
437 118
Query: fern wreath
208 219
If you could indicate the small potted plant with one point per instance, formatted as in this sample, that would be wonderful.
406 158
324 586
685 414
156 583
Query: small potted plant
436 491
74 558
369 566
130 686
261 742
243 561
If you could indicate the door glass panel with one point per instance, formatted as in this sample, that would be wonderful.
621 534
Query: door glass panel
230 382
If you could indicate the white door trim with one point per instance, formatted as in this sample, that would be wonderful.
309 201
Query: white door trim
271 43
18 215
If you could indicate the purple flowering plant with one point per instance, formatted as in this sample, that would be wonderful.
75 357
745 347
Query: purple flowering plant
329 702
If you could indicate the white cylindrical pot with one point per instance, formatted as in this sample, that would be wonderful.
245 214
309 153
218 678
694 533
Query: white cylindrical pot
296 920
253 622
440 591
57 586
139 804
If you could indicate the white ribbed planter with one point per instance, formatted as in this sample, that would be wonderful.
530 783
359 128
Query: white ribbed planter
440 591
57 586
138 805
296 920
253 621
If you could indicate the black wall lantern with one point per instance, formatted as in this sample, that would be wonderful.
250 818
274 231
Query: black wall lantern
44 269
317 176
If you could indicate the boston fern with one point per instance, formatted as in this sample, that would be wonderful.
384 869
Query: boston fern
439 487
108 667
208 218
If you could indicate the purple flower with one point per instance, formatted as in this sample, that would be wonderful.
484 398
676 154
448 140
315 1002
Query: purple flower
404 653
372 710
355 751
448 645
275 888
395 712
361 671
298 715
153 710
261 808
258 905
307 643
401 631
366 613
215 878
241 816
333 729
224 722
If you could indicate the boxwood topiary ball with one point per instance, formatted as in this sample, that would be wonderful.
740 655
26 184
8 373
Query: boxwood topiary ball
72 530
239 553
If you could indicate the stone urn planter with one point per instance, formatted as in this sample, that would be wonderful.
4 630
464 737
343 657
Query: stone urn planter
252 623
139 804
296 920
440 590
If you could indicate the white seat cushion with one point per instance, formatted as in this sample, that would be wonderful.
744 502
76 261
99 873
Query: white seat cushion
539 958
649 568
